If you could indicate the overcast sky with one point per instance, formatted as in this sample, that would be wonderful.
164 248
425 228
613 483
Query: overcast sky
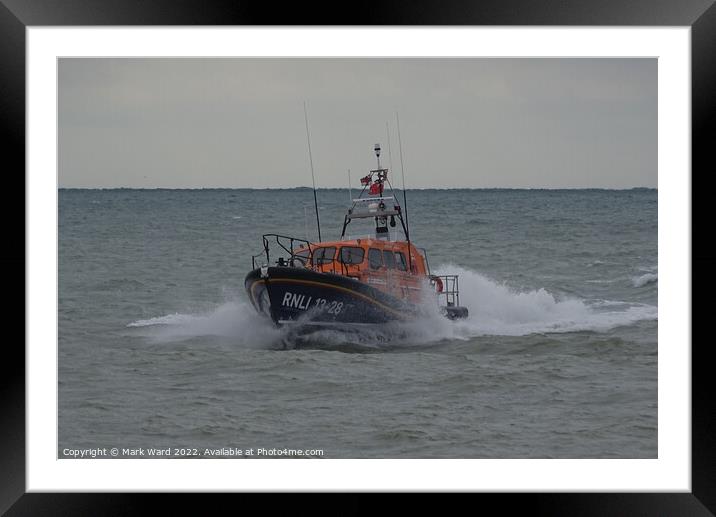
482 123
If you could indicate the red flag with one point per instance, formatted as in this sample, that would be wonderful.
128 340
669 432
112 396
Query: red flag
375 188
365 180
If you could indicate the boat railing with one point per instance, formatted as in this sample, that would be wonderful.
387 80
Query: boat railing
286 243
254 258
450 289
392 235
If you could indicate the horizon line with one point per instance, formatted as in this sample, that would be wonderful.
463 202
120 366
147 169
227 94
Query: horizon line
344 188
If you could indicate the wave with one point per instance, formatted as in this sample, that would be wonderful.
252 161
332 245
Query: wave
648 278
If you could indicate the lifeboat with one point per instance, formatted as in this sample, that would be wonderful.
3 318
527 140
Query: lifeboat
368 280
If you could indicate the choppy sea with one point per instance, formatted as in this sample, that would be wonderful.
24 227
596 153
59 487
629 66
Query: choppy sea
159 347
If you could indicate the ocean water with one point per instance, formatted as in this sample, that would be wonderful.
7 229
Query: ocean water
159 347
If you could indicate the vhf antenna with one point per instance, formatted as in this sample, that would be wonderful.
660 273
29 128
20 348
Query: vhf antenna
405 198
313 177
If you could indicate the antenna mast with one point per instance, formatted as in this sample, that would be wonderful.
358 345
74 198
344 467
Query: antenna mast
405 198
390 155
313 177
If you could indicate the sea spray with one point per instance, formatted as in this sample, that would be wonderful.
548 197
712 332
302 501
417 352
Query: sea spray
233 319
498 309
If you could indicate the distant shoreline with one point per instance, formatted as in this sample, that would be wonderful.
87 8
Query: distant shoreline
341 189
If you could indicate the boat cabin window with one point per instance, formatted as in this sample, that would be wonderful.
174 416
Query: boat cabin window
389 259
375 258
352 254
400 261
324 255
302 256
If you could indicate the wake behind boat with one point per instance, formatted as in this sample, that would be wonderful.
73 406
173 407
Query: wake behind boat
369 280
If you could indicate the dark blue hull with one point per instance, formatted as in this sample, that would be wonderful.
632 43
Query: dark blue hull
290 294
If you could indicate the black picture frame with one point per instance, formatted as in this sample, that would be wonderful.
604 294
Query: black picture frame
700 15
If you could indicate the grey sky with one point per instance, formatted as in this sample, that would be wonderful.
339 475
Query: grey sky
516 123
